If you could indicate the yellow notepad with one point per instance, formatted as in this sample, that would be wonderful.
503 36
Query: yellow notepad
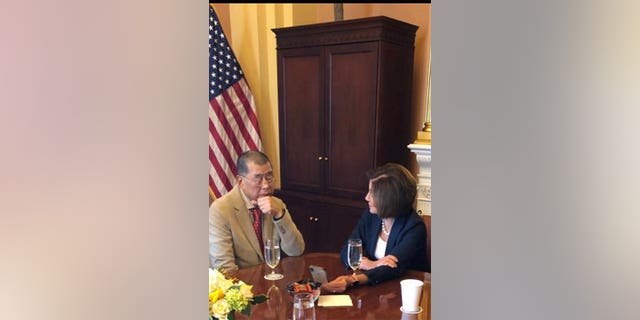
339 300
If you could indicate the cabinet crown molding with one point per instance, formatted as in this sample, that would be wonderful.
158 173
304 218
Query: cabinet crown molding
380 28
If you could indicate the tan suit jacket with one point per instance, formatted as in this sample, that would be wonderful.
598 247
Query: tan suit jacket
232 242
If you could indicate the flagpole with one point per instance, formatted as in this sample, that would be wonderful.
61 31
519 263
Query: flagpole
424 136
422 148
338 12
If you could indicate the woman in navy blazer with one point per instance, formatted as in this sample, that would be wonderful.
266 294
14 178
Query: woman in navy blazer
393 236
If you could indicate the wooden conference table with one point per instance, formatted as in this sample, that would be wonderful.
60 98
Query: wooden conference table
382 301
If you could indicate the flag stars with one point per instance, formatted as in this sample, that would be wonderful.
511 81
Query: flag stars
223 65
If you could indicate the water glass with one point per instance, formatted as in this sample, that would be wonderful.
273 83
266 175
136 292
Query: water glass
354 254
272 258
304 307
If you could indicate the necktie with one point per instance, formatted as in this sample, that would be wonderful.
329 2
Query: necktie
256 224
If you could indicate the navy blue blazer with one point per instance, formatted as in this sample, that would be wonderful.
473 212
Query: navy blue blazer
407 242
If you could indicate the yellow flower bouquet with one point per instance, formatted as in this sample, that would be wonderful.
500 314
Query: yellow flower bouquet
229 295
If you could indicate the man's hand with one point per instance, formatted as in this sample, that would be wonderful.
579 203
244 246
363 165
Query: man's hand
269 205
389 261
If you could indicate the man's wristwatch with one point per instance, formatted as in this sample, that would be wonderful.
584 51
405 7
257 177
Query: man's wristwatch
284 211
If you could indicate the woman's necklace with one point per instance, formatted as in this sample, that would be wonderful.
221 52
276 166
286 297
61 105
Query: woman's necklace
384 229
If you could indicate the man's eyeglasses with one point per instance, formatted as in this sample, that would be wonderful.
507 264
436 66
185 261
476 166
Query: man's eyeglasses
257 179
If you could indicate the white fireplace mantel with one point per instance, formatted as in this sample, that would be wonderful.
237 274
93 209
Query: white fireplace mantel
423 156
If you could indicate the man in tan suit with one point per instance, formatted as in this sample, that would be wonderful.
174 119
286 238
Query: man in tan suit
233 243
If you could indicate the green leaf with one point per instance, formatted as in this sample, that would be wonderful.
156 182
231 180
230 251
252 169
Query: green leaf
246 311
259 299
231 316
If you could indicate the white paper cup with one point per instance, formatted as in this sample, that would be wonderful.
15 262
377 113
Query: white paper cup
411 291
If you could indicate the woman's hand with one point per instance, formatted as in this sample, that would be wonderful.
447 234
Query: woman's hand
389 261
339 284
366 264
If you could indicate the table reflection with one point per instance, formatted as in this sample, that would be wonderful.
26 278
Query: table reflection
274 302
382 301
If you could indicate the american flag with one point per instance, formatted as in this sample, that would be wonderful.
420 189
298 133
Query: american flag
233 124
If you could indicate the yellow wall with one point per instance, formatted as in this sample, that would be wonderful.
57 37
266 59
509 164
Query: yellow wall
248 28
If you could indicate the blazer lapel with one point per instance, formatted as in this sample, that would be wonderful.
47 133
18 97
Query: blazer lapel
376 224
398 225
244 221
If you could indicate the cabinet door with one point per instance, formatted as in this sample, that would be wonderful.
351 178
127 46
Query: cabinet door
304 215
335 223
352 72
324 225
301 103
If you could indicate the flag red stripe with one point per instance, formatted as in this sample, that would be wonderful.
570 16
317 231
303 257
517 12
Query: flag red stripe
222 148
221 174
213 187
247 106
222 119
241 127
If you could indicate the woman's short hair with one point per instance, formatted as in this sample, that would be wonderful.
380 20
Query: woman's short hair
393 188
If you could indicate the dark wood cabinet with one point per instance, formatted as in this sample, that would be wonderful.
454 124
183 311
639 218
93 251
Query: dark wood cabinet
344 94
324 223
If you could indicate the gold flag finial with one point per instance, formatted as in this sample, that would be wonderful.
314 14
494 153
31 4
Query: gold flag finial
424 135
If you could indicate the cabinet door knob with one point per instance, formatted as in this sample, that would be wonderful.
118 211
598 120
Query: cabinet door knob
319 158
310 218
325 158
316 219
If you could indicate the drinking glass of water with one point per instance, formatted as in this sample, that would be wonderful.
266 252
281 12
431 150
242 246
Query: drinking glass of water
304 307
272 258
354 255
